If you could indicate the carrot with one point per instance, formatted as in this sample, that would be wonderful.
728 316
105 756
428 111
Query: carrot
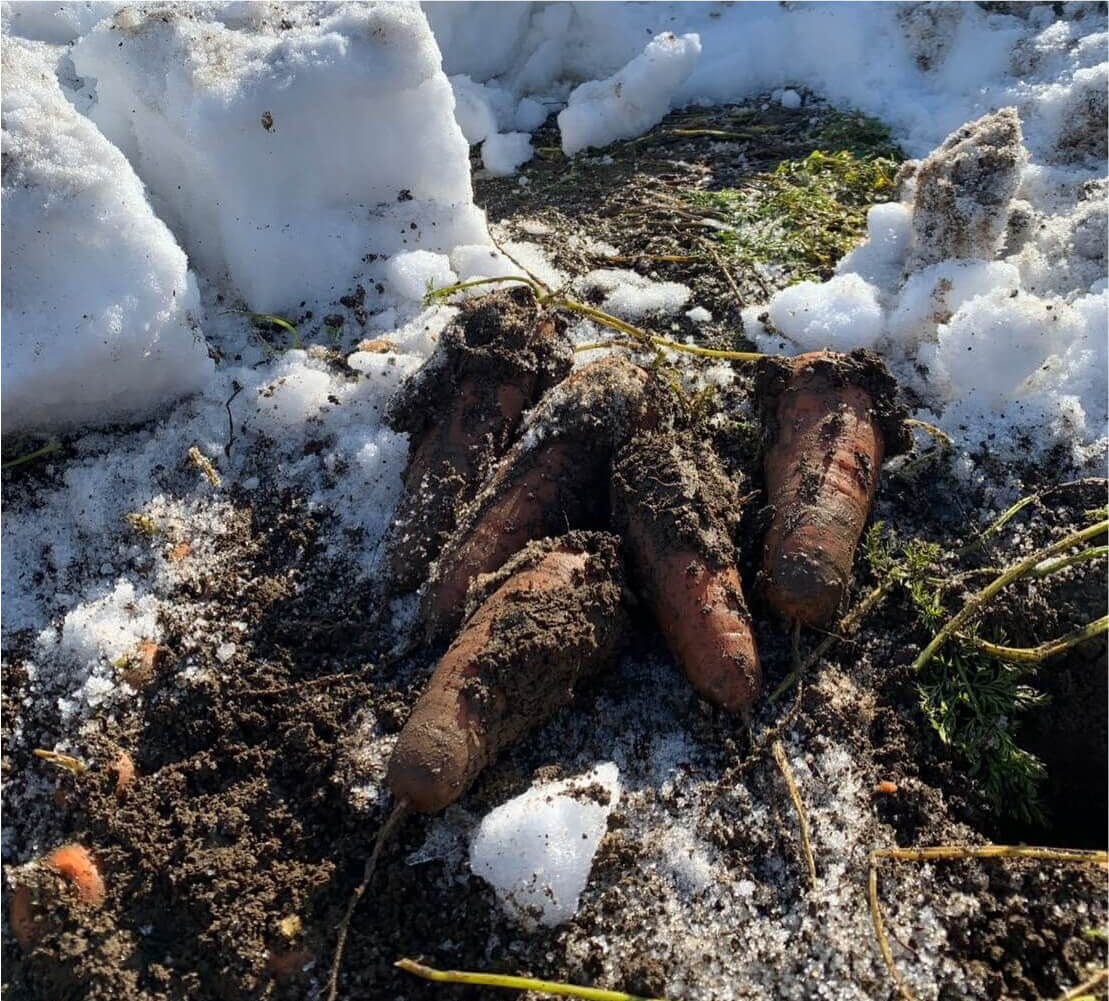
831 420
677 512
461 410
552 480
76 866
550 616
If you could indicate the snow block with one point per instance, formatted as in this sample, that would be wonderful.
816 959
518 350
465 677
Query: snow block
100 313
283 157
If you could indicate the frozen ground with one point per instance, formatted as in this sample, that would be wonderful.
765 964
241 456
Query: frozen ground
169 171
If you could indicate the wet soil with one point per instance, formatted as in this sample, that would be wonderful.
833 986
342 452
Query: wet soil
231 857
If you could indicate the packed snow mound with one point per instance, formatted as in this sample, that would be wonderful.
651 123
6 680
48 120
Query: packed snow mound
633 100
992 311
537 849
963 191
100 313
284 158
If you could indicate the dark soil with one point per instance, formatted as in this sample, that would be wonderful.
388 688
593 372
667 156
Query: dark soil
230 859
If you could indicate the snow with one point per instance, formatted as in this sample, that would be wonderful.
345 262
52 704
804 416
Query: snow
281 158
502 153
843 313
101 316
630 102
411 274
536 850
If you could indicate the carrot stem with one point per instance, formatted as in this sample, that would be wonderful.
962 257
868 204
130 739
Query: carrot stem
1021 569
513 983
1038 654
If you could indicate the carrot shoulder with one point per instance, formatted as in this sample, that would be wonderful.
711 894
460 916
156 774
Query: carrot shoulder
830 421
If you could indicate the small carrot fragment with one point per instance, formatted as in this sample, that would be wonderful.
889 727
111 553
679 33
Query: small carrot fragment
124 767
76 864
886 788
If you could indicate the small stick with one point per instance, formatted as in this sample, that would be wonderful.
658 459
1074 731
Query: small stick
632 258
976 603
49 448
799 806
1038 654
934 852
514 983
724 271
941 436
66 761
1085 990
400 811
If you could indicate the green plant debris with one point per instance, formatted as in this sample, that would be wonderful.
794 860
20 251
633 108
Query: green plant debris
143 524
971 700
49 448
204 464
858 134
267 321
803 217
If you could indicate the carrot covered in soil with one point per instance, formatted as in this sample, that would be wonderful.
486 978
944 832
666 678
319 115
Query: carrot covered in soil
831 420
75 864
552 481
677 512
461 409
549 617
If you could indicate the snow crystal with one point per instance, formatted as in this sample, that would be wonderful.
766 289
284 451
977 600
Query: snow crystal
283 158
100 314
537 849
631 101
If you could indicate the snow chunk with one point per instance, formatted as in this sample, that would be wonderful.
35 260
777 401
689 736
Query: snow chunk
282 158
698 314
964 188
100 313
530 115
881 259
480 261
633 100
410 274
789 99
996 341
841 314
537 849
501 154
